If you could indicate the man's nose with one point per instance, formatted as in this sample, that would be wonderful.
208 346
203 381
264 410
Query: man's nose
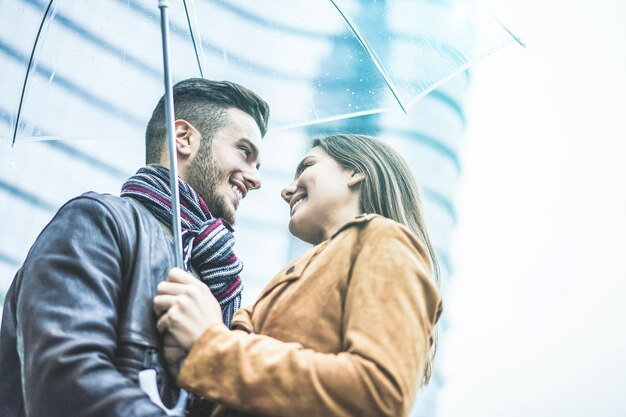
288 192
253 179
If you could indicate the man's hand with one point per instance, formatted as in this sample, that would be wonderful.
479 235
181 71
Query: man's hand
186 307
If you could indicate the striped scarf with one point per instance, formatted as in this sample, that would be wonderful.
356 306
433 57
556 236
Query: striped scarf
207 241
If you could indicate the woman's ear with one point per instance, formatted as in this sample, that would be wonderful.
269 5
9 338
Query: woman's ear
355 178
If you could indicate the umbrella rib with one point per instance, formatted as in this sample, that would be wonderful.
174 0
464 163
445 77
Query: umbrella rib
30 65
370 52
193 40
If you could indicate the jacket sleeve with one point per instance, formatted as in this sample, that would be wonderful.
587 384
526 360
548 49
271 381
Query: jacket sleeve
390 309
67 313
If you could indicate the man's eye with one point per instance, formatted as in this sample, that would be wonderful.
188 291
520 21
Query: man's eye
245 151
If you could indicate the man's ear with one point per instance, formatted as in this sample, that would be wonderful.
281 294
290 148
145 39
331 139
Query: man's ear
185 135
355 178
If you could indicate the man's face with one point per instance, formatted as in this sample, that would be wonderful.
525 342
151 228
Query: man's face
223 171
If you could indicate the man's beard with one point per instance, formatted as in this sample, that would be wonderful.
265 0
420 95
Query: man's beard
204 175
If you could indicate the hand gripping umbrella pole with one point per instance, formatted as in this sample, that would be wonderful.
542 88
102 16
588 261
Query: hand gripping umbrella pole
147 377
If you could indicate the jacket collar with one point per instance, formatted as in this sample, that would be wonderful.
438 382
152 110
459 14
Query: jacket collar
294 269
361 218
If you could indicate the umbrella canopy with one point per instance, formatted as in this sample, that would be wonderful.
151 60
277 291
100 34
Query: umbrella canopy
93 69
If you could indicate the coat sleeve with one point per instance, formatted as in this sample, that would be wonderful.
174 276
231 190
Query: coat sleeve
390 309
67 312
242 320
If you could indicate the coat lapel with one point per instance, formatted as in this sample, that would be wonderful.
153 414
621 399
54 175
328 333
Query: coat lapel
294 270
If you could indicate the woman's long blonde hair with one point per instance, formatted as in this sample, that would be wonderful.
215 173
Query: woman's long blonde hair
389 189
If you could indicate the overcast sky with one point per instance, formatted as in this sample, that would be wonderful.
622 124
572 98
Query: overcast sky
537 307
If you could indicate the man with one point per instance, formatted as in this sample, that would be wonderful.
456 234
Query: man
78 324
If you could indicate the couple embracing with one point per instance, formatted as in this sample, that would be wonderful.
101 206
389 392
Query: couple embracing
347 329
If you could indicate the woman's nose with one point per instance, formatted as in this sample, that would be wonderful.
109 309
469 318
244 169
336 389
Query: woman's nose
288 192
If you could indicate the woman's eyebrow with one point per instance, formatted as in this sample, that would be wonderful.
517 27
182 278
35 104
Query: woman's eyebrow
300 166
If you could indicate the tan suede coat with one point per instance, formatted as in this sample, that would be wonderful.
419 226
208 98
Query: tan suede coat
345 330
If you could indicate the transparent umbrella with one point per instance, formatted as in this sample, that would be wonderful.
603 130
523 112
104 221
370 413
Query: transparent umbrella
93 69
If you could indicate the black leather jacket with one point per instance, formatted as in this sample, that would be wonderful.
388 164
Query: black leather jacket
79 312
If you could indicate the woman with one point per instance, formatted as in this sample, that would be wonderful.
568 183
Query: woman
344 330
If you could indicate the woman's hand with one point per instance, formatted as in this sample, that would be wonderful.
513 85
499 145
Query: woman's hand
186 307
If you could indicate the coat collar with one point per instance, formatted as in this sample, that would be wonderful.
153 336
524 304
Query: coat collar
295 269
361 218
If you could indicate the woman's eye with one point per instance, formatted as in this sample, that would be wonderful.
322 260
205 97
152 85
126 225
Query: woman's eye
303 167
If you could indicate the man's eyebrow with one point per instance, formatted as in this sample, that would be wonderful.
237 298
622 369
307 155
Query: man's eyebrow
255 150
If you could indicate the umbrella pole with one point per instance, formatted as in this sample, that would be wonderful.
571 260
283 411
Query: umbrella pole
179 407
171 140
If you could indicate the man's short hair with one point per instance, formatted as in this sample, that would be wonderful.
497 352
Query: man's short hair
203 103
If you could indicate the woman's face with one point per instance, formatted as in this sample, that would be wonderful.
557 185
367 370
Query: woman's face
322 198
